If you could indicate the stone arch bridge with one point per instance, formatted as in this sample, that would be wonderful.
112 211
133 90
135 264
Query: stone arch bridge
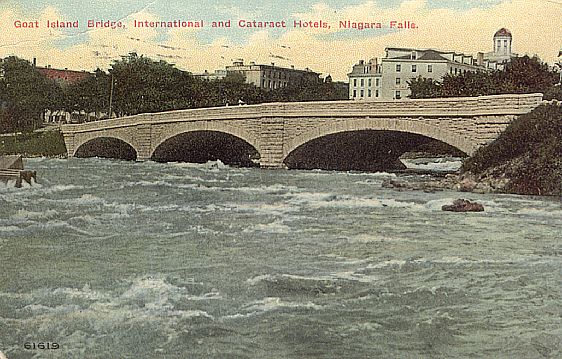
275 130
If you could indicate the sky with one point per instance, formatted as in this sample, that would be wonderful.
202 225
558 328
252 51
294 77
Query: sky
464 26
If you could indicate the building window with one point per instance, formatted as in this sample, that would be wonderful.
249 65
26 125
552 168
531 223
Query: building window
414 68
456 71
398 96
377 82
362 82
413 56
376 93
429 68
369 93
354 83
362 93
398 67
354 93
398 80
263 83
370 82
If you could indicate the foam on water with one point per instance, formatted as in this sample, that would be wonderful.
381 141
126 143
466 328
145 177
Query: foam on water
271 304
9 229
276 255
277 226
332 200
433 164
23 215
153 299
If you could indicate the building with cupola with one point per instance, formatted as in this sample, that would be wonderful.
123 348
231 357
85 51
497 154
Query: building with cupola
502 47
387 78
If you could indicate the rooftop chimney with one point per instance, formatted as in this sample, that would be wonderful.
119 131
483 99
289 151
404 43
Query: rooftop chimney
480 59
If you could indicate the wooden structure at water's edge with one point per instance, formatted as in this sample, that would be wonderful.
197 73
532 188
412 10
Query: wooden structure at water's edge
11 169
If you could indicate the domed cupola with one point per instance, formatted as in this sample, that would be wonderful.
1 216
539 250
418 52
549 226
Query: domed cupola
502 42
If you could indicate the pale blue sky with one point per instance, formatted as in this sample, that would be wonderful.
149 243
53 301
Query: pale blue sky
209 10
458 25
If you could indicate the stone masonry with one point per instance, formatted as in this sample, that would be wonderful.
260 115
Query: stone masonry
276 129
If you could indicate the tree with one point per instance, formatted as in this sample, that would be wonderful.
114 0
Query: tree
25 94
422 87
521 75
144 85
526 75
91 94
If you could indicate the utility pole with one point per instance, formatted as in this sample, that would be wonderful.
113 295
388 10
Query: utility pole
111 97
560 65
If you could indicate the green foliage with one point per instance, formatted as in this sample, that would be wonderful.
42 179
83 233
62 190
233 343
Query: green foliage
471 84
308 91
422 87
235 78
24 95
91 94
48 143
522 75
140 85
526 75
143 85
529 151
553 93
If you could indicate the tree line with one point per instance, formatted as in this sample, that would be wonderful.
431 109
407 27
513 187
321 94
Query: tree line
137 84
134 84
521 75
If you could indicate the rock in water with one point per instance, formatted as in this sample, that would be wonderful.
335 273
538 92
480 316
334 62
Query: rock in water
463 205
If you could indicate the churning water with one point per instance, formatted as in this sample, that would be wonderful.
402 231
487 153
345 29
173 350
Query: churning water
113 259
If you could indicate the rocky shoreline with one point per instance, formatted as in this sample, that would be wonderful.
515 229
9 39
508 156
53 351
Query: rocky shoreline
465 182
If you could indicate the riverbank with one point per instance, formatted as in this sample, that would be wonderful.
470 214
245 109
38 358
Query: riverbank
35 144
526 159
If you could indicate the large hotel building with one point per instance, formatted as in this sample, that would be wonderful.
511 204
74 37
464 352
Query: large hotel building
388 79
270 77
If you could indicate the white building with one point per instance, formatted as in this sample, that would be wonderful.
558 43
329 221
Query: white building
501 48
388 79
365 80
217 75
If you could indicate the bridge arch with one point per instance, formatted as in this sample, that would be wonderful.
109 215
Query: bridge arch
113 146
382 124
202 142
179 128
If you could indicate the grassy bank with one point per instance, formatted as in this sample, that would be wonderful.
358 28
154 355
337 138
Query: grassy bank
48 144
528 154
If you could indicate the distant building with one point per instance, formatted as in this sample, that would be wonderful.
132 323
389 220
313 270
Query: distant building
388 79
270 77
217 75
365 80
63 77
502 47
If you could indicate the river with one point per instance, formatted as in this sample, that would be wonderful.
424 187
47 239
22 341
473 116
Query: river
112 259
